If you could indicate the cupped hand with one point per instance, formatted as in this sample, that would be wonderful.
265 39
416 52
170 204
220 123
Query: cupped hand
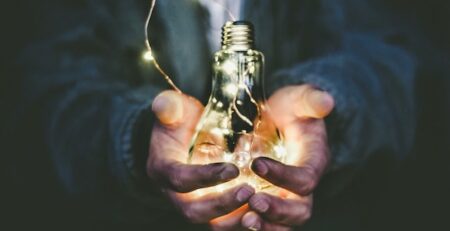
298 112
177 116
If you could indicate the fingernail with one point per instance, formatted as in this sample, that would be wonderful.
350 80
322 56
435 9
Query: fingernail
251 222
244 193
229 172
260 167
159 103
259 204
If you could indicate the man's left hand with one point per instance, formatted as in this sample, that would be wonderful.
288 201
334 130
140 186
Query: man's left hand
298 113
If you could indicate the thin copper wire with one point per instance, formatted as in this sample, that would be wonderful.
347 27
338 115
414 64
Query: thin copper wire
258 109
243 117
149 48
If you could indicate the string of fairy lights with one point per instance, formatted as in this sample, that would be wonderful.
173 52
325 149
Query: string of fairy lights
148 54
232 89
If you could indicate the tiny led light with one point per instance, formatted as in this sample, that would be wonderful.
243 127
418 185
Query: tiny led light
219 104
216 131
233 110
231 89
229 67
280 151
148 56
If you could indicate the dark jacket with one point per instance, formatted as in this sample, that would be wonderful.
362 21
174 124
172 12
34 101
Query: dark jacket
90 93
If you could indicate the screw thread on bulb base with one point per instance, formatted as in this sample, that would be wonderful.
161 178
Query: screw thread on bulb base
237 36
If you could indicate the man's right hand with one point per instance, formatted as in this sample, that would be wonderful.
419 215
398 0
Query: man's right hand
178 115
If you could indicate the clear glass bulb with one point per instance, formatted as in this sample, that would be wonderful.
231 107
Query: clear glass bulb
236 126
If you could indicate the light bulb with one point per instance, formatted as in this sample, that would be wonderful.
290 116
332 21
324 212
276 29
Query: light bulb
235 125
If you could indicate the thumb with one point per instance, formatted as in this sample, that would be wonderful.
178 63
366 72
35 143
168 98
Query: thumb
178 115
312 102
295 102
168 107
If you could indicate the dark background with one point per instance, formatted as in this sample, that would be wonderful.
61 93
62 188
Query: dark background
416 196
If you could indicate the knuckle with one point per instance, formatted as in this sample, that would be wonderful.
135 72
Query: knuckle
190 214
215 227
177 182
206 175
278 170
308 182
305 214
302 215
307 188
223 204
152 171
276 213
221 208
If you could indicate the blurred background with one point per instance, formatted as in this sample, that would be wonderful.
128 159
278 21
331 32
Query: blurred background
416 196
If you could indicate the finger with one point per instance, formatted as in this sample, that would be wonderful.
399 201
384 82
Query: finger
168 107
203 209
172 108
306 144
186 178
301 180
290 211
312 102
253 221
171 137
291 103
231 221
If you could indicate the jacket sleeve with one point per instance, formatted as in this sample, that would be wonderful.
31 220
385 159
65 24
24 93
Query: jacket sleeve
372 82
83 78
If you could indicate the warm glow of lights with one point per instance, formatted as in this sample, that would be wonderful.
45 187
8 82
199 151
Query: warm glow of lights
148 56
251 68
216 131
280 151
252 182
226 131
231 89
220 188
242 159
229 67
228 217
224 122
228 157
219 104
293 147
247 146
